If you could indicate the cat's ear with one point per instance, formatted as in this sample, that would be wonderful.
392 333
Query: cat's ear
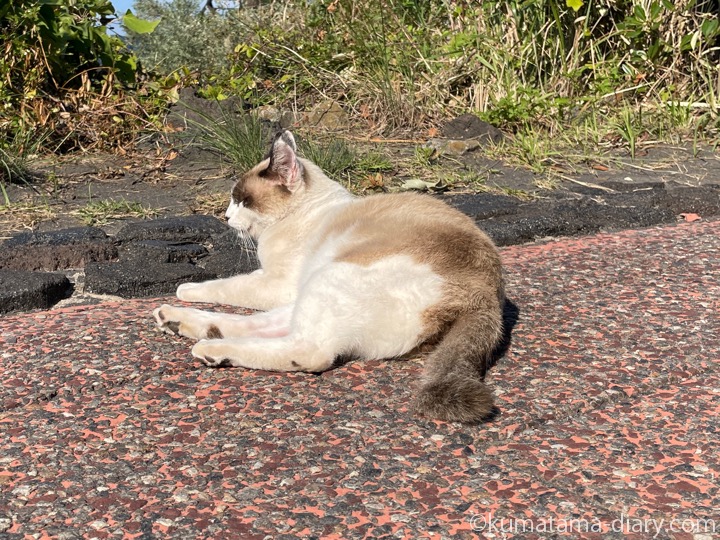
284 166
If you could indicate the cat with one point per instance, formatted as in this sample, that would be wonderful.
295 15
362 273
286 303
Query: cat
369 277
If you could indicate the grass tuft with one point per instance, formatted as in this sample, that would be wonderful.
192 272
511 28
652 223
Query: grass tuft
239 138
102 212
16 154
334 158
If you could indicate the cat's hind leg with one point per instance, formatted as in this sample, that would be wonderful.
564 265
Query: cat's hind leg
198 324
371 312
287 353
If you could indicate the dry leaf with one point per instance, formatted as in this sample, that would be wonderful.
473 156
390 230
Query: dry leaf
418 185
373 181
690 217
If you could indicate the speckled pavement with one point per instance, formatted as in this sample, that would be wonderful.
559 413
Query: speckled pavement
609 402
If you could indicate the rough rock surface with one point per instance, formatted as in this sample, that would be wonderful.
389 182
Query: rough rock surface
57 250
469 126
31 290
157 255
130 279
510 222
464 134
154 258
196 228
327 114
163 251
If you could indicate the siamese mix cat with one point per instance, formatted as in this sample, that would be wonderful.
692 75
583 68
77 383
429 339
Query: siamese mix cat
370 277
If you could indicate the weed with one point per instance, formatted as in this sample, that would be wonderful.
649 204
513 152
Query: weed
15 156
553 73
239 138
517 193
214 204
101 212
23 215
334 158
13 169
531 150
57 62
548 183
424 156
628 127
373 162
529 147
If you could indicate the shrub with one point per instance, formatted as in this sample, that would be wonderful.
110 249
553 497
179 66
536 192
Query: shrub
404 64
184 38
57 58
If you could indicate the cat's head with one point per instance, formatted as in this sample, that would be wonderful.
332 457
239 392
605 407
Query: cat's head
265 193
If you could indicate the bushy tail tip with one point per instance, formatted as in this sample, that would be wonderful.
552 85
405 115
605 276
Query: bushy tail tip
455 398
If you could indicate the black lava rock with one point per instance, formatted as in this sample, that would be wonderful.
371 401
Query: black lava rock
196 228
162 251
21 290
57 250
131 279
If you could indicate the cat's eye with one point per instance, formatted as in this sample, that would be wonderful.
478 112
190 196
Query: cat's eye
246 201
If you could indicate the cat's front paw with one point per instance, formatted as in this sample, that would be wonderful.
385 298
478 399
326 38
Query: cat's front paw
164 320
211 354
181 322
190 292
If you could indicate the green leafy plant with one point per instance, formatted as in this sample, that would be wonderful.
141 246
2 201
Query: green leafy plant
58 57
373 162
50 43
185 36
628 127
532 149
424 155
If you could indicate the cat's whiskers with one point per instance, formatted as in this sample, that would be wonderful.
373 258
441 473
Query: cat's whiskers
247 244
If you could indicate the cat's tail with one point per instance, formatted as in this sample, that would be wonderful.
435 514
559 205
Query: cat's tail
452 386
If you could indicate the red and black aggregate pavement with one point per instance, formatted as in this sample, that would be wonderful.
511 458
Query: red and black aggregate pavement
609 399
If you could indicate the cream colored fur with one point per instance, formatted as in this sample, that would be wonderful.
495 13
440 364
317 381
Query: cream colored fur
344 276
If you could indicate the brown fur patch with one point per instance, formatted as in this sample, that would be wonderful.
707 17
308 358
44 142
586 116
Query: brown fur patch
468 318
261 194
213 332
432 233
173 326
294 363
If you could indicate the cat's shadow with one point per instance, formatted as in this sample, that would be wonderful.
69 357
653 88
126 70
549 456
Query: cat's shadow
511 316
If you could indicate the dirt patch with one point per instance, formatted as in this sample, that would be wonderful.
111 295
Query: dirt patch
176 179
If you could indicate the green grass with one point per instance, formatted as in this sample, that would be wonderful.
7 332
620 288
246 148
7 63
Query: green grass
560 79
335 158
243 139
16 155
629 128
102 212
373 162
240 138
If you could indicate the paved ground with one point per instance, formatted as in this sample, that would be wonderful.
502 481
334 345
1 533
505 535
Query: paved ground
609 401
